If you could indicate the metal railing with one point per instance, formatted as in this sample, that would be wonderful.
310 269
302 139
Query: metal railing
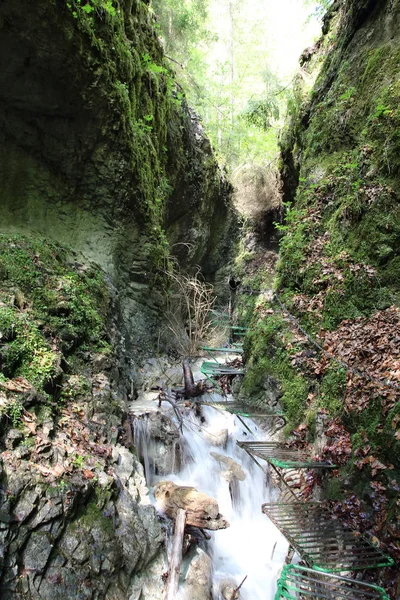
298 583
322 541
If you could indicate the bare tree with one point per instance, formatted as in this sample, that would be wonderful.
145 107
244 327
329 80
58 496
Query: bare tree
189 305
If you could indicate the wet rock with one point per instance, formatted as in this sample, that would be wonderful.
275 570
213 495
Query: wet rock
201 510
232 469
217 437
26 505
13 438
66 538
228 590
197 585
37 552
162 444
148 584
268 394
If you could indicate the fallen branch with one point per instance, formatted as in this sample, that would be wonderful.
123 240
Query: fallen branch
239 586
176 555
170 397
192 389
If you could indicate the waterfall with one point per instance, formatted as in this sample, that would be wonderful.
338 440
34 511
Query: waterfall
251 546
142 442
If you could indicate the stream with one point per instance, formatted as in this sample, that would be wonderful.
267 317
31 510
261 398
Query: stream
252 546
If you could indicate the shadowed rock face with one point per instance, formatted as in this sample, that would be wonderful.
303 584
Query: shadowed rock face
97 153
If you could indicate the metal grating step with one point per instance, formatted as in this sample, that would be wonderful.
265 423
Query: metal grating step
213 352
215 368
300 583
279 455
237 333
322 541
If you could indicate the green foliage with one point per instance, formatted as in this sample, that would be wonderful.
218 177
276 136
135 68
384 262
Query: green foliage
261 112
14 411
334 490
89 8
332 390
151 66
348 94
23 350
319 7
78 461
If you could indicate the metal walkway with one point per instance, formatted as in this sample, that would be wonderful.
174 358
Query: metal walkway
236 349
215 368
276 419
322 541
245 410
298 583
279 455
212 369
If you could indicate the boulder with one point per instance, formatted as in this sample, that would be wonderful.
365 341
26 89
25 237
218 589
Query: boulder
201 510
156 435
232 470
217 437
229 590
197 584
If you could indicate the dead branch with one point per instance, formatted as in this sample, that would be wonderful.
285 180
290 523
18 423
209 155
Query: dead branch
169 396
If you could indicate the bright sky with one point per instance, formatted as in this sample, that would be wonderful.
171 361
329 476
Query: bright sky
274 31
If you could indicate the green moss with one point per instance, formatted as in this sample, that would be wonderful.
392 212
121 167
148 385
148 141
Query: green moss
24 351
379 431
269 357
332 390
93 517
48 308
334 490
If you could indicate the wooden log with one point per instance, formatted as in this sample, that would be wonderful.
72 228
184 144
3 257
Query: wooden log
176 555
192 389
201 510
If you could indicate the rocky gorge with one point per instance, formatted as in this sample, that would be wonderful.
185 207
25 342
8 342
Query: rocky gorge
109 190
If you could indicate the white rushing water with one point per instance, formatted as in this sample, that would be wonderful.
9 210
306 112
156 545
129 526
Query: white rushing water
251 546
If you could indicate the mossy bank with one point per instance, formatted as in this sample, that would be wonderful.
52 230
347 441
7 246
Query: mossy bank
75 520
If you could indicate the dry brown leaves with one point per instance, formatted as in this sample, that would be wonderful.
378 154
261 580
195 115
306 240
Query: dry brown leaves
338 449
371 347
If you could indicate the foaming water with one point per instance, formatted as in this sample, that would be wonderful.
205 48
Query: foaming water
251 546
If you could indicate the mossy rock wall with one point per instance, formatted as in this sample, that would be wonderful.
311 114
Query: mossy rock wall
339 258
339 267
99 150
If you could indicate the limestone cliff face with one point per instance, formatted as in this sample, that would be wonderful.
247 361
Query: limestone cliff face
75 517
100 153
98 148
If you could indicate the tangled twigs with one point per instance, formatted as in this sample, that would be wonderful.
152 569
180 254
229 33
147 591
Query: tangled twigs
189 305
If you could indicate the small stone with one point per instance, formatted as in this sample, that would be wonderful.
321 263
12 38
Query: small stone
232 469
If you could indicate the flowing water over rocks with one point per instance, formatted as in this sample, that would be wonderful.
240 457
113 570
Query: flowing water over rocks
210 461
